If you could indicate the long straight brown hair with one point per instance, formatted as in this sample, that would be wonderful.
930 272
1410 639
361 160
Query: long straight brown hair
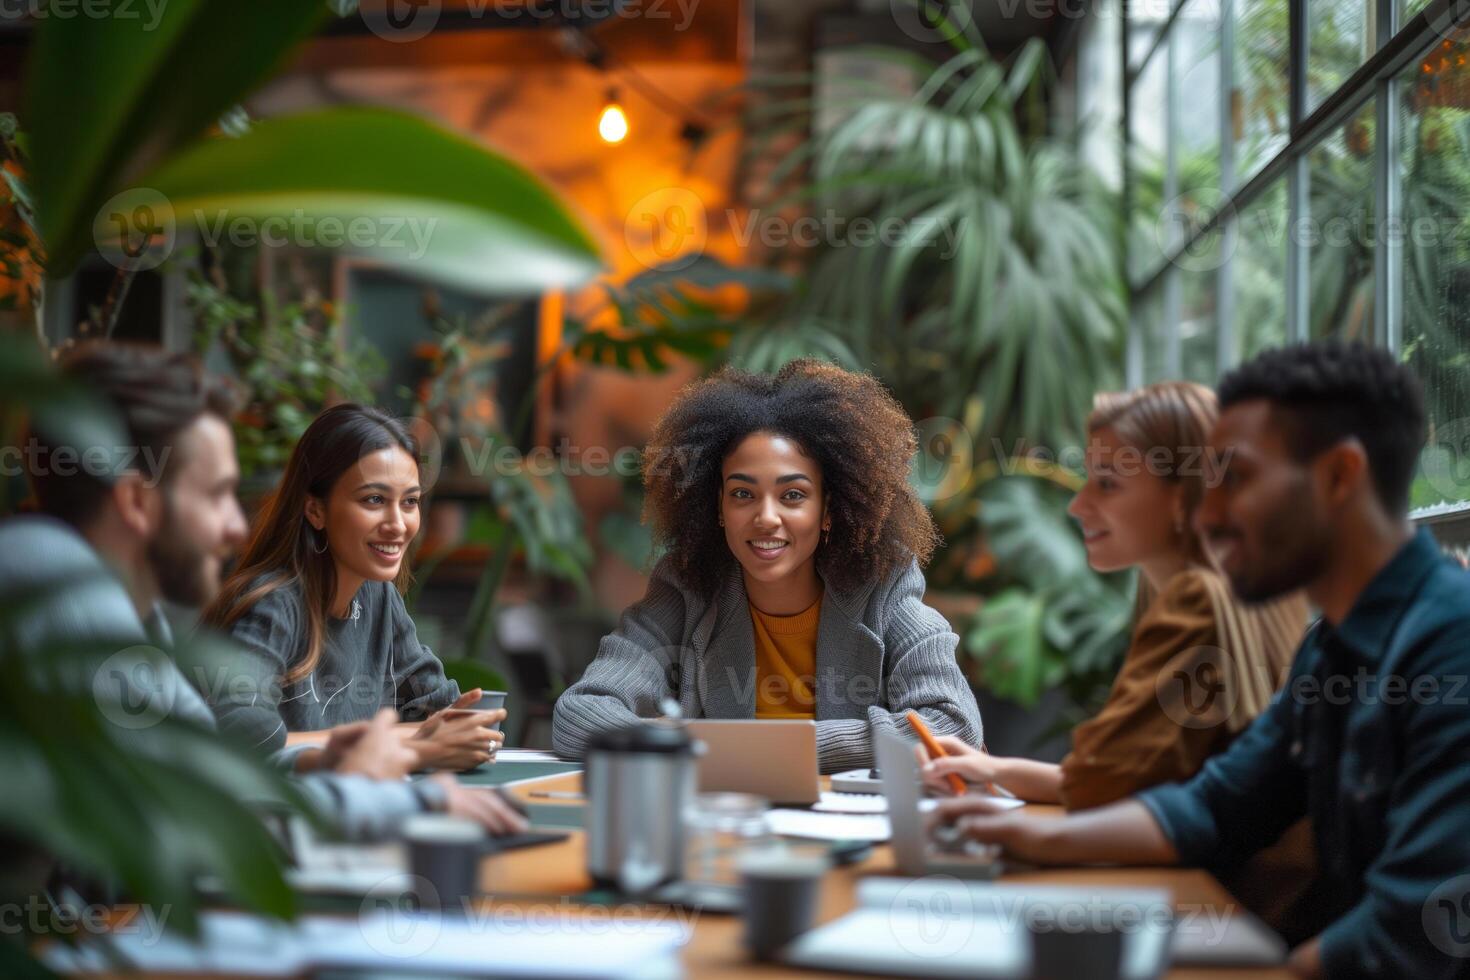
283 546
1177 416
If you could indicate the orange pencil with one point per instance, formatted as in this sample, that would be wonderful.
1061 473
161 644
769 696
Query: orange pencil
935 750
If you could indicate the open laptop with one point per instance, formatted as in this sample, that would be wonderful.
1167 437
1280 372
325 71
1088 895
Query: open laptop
776 759
913 854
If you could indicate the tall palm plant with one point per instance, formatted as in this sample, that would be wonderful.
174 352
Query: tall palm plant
1001 283
995 305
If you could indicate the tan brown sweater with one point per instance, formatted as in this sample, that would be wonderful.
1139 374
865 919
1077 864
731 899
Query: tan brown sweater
1199 668
1153 729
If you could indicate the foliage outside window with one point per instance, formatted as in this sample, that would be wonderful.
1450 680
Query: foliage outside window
1258 273
1339 35
1342 234
1260 114
1306 197
1434 161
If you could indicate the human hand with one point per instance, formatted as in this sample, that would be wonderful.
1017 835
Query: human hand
369 748
431 724
1306 960
458 739
484 806
469 698
974 766
988 821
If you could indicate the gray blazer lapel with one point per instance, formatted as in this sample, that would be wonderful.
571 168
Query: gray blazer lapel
724 643
849 658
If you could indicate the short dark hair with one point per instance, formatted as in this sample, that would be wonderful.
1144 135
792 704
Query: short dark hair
1328 391
154 393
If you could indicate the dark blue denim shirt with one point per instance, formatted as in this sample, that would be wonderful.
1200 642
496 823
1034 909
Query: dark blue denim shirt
1371 738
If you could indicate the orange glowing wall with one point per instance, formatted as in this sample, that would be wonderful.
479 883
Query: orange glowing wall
521 92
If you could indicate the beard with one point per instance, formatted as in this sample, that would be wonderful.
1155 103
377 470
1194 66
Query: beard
180 567
1301 547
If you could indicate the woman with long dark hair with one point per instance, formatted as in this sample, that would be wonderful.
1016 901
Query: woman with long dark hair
791 584
317 597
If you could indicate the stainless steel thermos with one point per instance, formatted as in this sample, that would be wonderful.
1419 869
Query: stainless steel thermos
640 781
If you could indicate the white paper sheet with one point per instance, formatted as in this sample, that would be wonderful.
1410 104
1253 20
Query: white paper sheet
816 825
526 755
851 803
507 941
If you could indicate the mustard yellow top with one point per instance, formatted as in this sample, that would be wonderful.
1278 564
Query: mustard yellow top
786 662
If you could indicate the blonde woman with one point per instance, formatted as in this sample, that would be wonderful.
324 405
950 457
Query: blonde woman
1200 665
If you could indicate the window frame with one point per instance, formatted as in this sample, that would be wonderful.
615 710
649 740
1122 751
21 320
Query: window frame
1394 46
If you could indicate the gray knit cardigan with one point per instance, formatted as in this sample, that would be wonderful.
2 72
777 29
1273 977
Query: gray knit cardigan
880 653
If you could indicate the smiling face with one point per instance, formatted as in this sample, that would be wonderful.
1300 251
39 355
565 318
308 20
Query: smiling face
1128 514
772 505
1263 520
371 515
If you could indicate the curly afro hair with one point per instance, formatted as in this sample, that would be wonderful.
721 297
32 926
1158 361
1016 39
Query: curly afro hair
1325 392
858 434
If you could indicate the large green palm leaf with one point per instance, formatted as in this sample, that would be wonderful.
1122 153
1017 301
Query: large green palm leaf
1003 245
1002 307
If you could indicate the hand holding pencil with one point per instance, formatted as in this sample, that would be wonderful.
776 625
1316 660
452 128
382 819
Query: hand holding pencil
951 763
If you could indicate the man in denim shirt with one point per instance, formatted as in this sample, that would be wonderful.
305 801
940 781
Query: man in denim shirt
1316 447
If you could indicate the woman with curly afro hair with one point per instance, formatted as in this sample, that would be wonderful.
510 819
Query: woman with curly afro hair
790 585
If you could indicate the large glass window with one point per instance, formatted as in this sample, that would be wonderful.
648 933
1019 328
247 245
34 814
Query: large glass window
1339 33
1434 165
1258 273
1198 337
1260 104
1149 317
1100 93
1147 128
1145 18
1341 235
1195 48
1252 225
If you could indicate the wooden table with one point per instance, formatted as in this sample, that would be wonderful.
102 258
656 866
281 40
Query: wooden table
540 877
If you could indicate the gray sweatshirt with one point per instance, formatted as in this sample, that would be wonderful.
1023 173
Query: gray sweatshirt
370 660
85 603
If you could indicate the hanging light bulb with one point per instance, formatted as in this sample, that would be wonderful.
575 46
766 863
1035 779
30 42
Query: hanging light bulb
612 125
